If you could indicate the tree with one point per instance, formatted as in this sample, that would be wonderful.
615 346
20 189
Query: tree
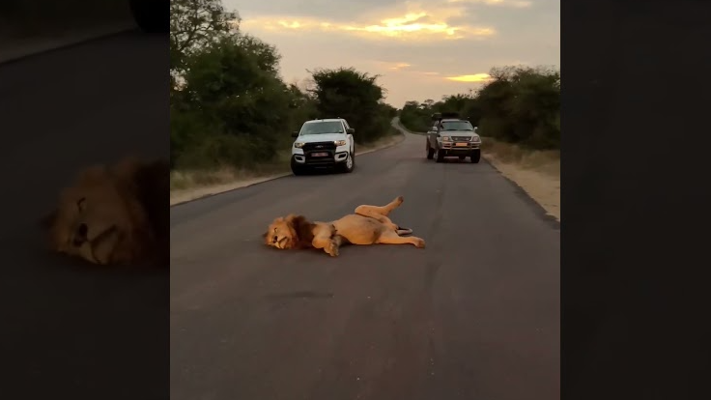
194 24
522 105
415 116
233 108
355 96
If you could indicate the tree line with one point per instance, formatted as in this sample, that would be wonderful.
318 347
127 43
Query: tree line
229 106
517 105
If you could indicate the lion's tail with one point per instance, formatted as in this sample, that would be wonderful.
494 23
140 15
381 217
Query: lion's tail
403 231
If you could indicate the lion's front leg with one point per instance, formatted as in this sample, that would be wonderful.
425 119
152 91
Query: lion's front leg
329 244
325 238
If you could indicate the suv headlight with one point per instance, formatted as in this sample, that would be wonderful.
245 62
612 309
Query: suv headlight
476 138
299 145
339 142
446 139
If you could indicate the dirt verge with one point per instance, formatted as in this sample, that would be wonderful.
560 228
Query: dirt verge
536 172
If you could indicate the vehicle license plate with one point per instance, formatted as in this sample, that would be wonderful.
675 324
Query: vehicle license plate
319 154
461 144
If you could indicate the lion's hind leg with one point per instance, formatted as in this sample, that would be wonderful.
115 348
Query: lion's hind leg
381 214
372 211
390 237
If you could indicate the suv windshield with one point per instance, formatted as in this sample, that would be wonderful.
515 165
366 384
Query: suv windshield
315 128
457 126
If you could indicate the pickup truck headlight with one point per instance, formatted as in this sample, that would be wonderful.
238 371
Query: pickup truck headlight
299 145
339 142
446 139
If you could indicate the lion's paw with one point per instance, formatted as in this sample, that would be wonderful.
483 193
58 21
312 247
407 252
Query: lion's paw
420 244
399 200
332 249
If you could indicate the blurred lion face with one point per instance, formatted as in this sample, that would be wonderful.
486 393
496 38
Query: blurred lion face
99 219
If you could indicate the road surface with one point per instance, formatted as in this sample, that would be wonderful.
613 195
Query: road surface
475 315
70 330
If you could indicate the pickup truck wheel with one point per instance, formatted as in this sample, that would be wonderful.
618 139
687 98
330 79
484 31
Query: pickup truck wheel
349 164
297 169
440 156
475 156
430 152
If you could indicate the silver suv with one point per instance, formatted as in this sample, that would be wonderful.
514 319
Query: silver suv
452 137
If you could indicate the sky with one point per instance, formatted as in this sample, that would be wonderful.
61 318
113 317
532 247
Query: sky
420 49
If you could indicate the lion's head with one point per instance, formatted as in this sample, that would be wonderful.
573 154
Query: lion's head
102 217
290 232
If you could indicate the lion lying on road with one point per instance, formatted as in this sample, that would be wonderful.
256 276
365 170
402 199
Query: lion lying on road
114 215
369 225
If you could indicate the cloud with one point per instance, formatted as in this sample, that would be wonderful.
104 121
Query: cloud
373 10
475 78
393 66
389 69
418 25
501 3
419 48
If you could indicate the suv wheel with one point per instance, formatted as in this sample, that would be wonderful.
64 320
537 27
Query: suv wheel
440 156
430 152
475 156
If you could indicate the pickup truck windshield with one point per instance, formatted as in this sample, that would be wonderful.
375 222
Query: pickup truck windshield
457 126
316 128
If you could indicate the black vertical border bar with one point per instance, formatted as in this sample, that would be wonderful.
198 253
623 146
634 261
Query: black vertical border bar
635 199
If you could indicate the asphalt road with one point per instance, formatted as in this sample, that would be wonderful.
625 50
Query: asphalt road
475 315
67 328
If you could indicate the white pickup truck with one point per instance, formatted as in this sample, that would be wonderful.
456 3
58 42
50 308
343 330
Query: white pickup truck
323 143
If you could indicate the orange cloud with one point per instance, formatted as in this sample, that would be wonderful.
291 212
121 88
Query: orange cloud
399 66
502 3
404 68
475 78
418 25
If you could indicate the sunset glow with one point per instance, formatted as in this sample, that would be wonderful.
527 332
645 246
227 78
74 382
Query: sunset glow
470 78
418 49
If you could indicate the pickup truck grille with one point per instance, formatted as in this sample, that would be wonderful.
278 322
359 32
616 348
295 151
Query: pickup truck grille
320 153
319 146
